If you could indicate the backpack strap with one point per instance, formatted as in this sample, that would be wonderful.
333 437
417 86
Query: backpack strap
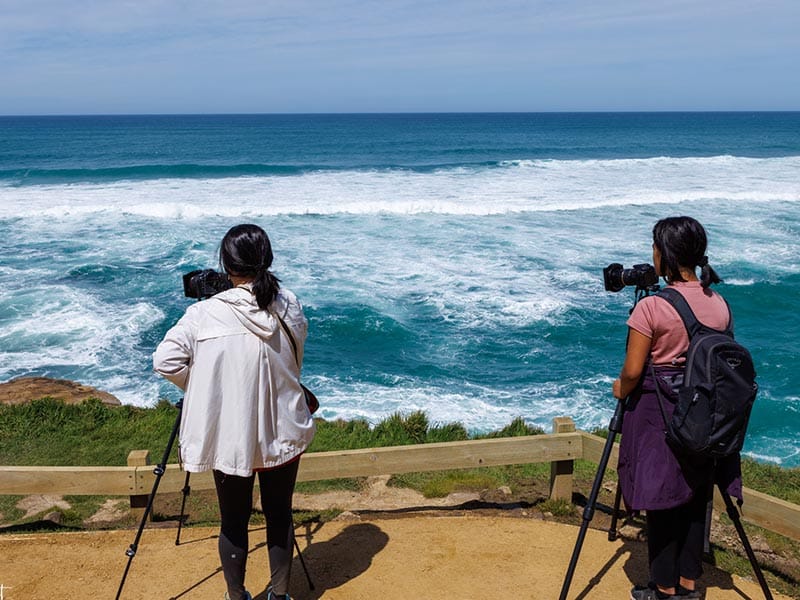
679 303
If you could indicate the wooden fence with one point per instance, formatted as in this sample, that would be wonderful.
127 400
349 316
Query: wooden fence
560 449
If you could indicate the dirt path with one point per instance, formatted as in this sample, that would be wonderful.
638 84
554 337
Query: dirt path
382 556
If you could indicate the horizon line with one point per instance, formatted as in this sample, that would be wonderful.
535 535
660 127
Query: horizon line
398 113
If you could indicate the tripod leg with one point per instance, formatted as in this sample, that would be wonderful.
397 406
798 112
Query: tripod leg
159 472
302 562
186 491
588 512
708 551
733 514
612 529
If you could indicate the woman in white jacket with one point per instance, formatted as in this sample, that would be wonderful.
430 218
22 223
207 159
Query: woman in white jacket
244 412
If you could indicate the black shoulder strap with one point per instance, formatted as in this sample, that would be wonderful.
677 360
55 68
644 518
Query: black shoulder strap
290 336
678 302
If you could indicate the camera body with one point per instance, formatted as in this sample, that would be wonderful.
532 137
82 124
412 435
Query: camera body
204 283
616 277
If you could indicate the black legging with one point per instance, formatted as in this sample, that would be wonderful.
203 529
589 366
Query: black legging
235 495
675 540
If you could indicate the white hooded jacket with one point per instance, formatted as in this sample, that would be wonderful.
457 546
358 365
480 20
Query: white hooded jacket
243 407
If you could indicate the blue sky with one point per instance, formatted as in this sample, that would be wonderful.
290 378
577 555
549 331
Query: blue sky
254 56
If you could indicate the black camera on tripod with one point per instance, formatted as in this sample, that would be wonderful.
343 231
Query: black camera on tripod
204 283
616 277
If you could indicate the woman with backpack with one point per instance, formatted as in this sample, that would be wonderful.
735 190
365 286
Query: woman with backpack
672 489
237 355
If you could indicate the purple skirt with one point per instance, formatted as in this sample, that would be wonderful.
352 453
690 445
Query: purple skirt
651 475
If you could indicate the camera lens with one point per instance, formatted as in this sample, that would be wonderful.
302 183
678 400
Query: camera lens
613 277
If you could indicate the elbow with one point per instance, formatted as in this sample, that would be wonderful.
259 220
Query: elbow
179 378
631 375
175 372
629 380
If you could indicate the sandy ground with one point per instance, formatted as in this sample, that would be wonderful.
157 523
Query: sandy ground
390 543
382 556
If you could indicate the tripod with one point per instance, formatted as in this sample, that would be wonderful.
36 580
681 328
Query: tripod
159 471
588 513
614 428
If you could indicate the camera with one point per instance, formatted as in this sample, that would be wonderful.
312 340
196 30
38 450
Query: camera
204 283
642 276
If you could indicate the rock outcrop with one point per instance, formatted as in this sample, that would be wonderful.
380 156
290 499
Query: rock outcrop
25 389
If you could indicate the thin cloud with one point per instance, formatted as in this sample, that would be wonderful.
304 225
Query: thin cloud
400 52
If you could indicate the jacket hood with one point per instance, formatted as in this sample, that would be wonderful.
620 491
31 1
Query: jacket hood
243 304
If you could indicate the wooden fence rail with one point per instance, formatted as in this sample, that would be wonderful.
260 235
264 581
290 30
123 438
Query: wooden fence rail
560 449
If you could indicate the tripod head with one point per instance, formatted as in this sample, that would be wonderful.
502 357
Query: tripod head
644 291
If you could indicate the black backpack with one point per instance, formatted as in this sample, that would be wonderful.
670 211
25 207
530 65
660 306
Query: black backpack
717 393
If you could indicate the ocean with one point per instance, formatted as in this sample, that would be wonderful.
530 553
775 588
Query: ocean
450 263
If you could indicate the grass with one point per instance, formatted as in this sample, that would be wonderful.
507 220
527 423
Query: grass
8 509
772 480
49 432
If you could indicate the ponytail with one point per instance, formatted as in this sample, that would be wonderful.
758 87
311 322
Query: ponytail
707 274
265 288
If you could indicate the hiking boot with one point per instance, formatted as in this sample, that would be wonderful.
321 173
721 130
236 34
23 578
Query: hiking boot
648 593
247 596
688 594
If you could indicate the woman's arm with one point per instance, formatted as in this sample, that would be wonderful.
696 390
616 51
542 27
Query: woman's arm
173 356
635 359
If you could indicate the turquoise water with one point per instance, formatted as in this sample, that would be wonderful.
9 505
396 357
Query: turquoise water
449 263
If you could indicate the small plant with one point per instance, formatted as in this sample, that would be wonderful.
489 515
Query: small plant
451 432
398 430
438 484
518 427
557 507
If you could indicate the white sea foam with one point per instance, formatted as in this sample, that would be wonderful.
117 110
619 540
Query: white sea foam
740 282
478 408
773 450
516 186
61 327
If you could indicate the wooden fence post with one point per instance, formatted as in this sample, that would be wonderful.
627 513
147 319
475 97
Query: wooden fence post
561 470
139 458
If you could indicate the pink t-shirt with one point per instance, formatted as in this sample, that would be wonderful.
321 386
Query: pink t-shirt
655 318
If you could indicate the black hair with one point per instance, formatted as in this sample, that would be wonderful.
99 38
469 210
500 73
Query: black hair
682 242
246 251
